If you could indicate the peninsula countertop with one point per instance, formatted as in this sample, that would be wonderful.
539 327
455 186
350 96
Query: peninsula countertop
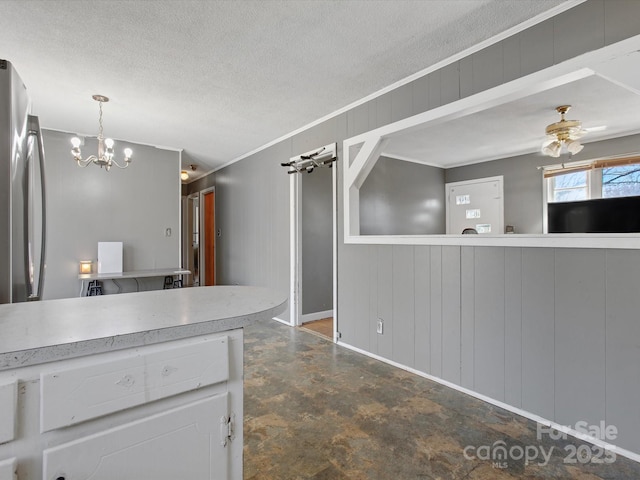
41 332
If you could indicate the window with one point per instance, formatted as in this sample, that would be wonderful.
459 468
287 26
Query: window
622 181
608 178
570 187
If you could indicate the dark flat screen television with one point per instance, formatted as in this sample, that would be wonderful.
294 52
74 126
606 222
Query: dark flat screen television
601 215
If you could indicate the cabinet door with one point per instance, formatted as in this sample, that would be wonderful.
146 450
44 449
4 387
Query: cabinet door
121 380
184 442
8 469
9 402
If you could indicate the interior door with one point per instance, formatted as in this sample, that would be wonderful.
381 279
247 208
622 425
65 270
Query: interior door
476 204
209 212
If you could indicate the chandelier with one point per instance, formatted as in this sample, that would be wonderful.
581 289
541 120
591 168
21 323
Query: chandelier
105 147
564 133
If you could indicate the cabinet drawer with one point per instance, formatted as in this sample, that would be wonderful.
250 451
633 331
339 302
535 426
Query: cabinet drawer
115 381
8 469
8 403
184 442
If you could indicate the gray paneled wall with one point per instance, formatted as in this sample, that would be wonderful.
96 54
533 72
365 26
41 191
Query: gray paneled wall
622 355
253 248
89 205
402 198
252 212
538 341
486 318
551 331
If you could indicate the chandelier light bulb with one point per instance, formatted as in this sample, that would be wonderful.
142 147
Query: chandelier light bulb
75 141
108 142
128 152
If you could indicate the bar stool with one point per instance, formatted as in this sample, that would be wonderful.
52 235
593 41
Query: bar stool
177 283
94 288
168 282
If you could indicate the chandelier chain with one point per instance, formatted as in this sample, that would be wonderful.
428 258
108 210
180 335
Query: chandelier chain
100 123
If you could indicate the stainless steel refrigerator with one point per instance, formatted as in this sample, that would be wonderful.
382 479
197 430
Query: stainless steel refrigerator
22 193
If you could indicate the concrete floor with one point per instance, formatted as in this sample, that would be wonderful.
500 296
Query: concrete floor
314 410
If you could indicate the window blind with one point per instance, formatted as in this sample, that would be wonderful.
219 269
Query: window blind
554 171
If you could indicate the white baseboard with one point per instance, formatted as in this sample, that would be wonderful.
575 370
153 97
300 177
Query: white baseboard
531 416
286 322
310 317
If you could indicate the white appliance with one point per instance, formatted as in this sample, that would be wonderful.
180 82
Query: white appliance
22 193
109 257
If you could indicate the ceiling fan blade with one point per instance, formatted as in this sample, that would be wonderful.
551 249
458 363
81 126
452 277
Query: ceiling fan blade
597 128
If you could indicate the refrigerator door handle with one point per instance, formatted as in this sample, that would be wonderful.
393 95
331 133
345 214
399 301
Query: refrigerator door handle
35 291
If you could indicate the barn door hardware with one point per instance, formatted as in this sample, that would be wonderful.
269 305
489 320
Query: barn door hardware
323 157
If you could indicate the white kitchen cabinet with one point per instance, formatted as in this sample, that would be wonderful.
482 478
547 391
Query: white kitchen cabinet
164 411
184 442
142 386
109 384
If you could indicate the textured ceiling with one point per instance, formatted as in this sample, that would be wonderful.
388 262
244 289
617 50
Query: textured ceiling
222 78
607 103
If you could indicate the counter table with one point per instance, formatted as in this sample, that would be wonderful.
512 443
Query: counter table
133 274
140 385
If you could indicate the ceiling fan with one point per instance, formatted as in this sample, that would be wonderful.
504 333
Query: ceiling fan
565 133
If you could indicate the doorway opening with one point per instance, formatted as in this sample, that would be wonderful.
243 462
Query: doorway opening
191 257
322 327
199 239
314 248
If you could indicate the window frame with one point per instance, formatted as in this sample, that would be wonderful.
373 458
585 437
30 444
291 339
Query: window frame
594 169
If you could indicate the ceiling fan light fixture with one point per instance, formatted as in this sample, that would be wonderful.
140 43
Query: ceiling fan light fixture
552 149
574 146
565 132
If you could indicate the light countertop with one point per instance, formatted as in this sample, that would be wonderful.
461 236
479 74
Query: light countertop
51 330
156 272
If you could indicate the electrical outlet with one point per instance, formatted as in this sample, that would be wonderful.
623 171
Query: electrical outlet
380 326
167 232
